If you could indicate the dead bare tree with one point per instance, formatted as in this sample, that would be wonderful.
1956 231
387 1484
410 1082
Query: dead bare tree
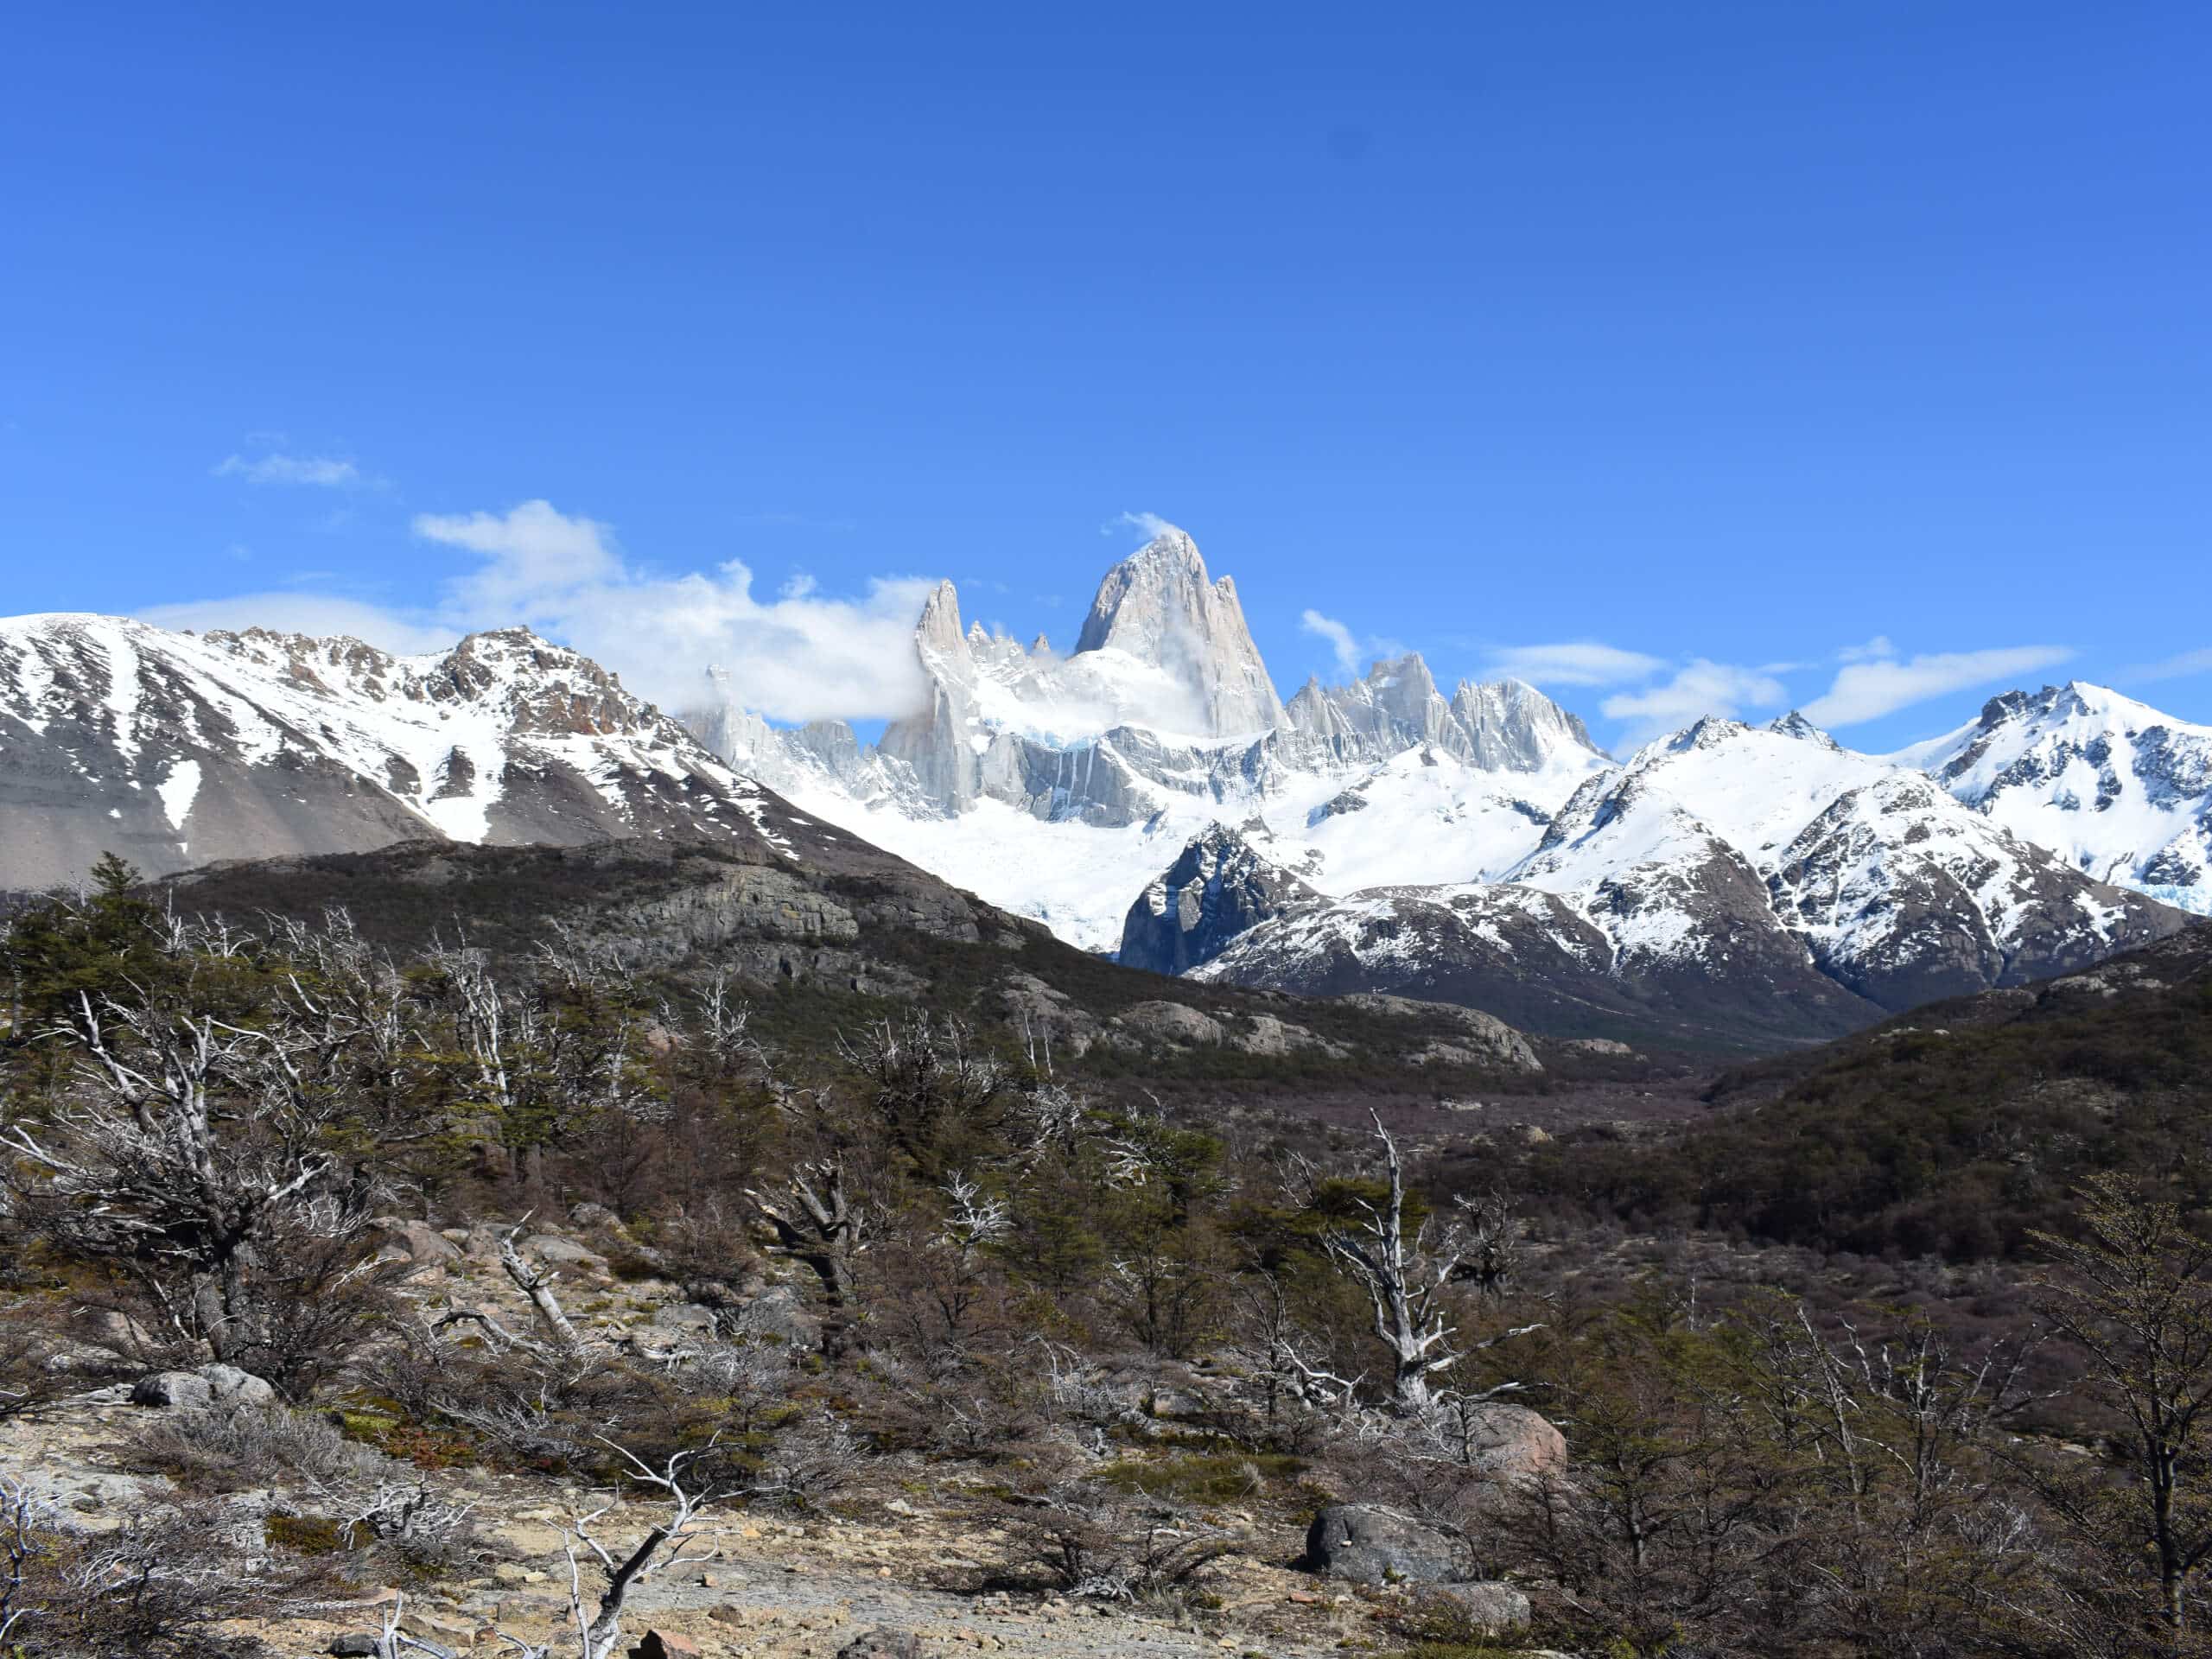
21 1510
724 1028
1286 1373
814 1220
1405 1275
536 1284
667 1545
183 1145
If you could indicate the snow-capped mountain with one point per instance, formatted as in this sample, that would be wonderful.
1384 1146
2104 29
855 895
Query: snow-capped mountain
1148 793
1058 786
174 749
2110 785
1726 878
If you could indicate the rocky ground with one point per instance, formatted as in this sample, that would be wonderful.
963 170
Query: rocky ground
908 1550
777 1586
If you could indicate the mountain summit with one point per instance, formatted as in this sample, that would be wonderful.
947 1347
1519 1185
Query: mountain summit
2116 788
1057 787
1158 606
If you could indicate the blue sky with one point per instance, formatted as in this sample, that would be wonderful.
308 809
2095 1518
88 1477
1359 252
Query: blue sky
1736 346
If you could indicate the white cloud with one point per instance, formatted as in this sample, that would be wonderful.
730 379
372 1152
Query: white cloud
1867 690
324 471
1701 688
800 656
797 656
533 554
1151 526
1584 662
2174 668
1875 649
1340 640
320 614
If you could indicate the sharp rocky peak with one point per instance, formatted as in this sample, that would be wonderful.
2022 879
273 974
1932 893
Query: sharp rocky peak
938 628
1160 607
1709 731
1795 724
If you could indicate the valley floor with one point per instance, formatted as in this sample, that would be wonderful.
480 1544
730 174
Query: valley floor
779 1587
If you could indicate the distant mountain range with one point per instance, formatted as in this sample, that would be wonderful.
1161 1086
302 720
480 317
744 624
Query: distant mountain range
174 749
1149 794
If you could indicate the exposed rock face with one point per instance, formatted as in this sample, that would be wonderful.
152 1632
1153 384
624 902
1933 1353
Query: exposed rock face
1095 736
1172 1022
1158 606
1485 1036
174 749
1501 726
1219 889
2110 785
1513 1443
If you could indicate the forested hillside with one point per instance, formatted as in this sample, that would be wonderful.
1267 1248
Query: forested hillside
393 1243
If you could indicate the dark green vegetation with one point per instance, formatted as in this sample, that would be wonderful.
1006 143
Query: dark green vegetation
1956 1131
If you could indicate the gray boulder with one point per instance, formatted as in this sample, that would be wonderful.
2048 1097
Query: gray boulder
1512 1443
415 1241
559 1252
174 1390
685 1316
1369 1544
211 1388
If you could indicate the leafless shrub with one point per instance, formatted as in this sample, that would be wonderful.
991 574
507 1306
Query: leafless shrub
154 1588
1092 1541
36 1368
228 1451
752 1379
808 1460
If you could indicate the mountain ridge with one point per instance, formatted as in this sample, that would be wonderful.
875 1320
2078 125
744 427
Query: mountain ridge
1149 794
175 748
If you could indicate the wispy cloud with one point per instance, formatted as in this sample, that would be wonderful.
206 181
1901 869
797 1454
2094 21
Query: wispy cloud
1341 640
1873 686
2173 668
320 472
800 655
1696 690
1351 651
1576 663
1150 525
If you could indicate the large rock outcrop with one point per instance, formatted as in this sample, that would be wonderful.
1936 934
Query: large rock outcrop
1217 890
